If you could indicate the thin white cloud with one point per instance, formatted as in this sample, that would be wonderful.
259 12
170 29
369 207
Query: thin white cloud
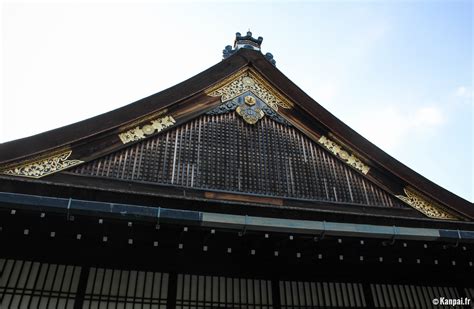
463 92
427 116
391 125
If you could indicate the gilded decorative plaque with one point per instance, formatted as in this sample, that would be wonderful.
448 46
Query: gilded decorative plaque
249 80
343 154
138 133
424 205
41 167
250 108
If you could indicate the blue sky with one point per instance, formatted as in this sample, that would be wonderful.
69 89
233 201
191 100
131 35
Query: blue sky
398 72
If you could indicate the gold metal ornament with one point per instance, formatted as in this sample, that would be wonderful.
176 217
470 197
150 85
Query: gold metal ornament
43 166
343 154
155 125
249 114
249 100
249 80
148 129
425 205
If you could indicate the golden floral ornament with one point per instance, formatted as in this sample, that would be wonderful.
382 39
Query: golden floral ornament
339 151
155 125
424 205
249 80
249 114
44 166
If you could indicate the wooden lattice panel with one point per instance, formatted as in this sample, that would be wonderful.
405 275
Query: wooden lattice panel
222 152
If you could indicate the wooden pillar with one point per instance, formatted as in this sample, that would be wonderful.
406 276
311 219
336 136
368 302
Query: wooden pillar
81 287
172 288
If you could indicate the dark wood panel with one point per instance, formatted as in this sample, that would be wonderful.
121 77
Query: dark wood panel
222 152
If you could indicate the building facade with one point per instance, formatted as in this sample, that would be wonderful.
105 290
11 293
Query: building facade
232 189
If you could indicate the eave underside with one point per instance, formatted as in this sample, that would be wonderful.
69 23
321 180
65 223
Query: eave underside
172 247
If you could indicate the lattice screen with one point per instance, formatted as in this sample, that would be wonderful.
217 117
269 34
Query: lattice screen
470 294
26 284
195 291
115 288
299 295
409 296
222 152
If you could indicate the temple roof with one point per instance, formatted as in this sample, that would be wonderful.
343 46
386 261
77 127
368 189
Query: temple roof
245 102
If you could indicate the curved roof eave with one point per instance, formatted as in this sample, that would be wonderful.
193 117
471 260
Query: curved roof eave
29 146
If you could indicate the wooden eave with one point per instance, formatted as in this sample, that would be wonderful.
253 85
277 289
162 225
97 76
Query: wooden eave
98 136
66 185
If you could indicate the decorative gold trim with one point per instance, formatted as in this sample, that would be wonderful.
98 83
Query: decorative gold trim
225 81
139 133
43 166
248 80
425 205
338 150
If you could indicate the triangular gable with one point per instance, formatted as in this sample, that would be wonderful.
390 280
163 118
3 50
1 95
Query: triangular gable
278 103
222 152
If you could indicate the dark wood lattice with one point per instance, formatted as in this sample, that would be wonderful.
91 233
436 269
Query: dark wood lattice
195 291
222 152
27 284
116 288
303 295
410 296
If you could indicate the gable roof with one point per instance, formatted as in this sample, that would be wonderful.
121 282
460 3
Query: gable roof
310 117
222 155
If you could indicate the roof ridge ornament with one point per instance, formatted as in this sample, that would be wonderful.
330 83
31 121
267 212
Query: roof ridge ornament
248 42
